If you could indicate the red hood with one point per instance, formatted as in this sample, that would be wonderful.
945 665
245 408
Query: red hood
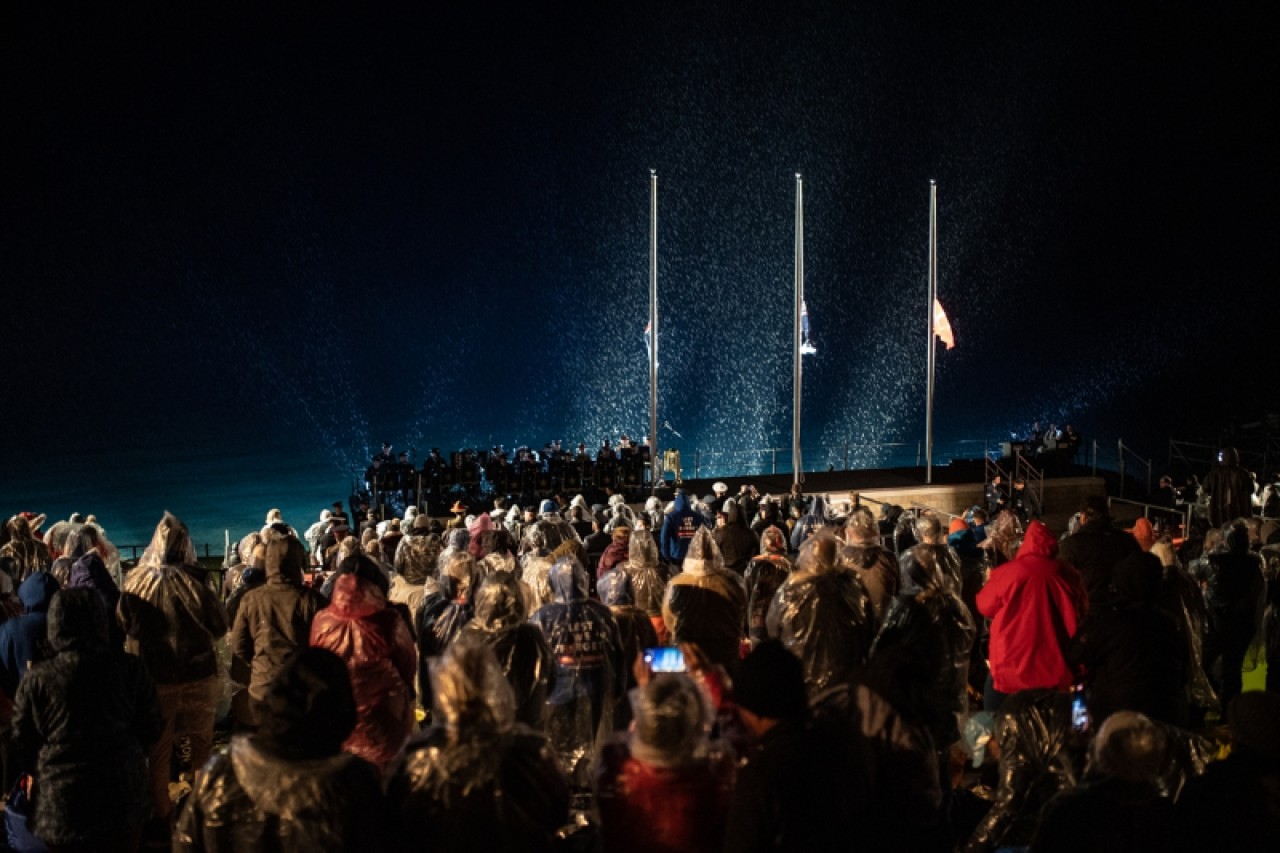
1038 542
355 598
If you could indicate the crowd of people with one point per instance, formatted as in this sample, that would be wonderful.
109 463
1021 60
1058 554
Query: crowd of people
506 679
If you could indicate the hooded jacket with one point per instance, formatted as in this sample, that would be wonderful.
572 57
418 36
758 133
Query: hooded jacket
678 529
590 672
85 720
738 544
810 523
706 604
1093 551
24 639
375 643
520 648
1034 604
274 620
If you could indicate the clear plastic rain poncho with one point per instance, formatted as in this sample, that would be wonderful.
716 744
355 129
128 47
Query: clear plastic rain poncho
706 604
925 638
821 614
477 780
169 610
1181 596
441 622
537 576
587 651
762 578
1038 759
500 623
642 567
672 721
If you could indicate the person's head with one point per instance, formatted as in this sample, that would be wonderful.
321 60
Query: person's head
773 541
997 480
473 700
929 529
769 687
1236 536
170 545
308 710
979 517
1093 509
861 528
622 533
819 553
82 539
671 720
285 559
1129 746
1136 579
77 621
361 566
720 489
499 603
1254 720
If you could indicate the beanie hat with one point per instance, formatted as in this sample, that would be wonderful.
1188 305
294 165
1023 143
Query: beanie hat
770 683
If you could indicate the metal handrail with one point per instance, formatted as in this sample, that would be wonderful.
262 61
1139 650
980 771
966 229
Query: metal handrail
1185 512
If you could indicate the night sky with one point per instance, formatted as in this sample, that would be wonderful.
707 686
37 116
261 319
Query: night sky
242 247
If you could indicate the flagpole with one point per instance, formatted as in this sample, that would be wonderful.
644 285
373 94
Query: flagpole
797 464
933 296
655 466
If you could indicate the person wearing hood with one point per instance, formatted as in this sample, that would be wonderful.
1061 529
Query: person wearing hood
923 645
648 586
24 639
634 630
1230 489
290 786
171 618
477 780
875 565
617 552
1095 548
273 620
822 615
522 652
375 643
415 567
705 604
764 575
83 723
551 526
441 621
481 525
810 523
1234 595
678 529
315 532
590 671
770 516
253 575
89 571
738 545
665 786
1035 603
29 553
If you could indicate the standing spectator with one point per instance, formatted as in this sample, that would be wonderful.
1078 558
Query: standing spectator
1230 489
875 565
274 620
83 722
24 639
289 786
705 604
996 496
477 781
1095 548
1234 597
678 529
738 545
810 523
763 576
171 618
617 553
821 615
589 669
1034 604
375 643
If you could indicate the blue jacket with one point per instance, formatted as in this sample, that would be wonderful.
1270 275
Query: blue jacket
678 529
25 640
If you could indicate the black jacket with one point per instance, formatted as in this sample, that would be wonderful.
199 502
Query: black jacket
1094 550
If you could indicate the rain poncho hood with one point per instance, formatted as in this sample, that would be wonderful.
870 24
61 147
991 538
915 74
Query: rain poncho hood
672 719
37 591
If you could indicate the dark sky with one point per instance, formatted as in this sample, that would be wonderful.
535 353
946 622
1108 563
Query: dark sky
305 230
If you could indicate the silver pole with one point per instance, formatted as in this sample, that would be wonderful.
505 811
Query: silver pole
797 465
655 465
933 295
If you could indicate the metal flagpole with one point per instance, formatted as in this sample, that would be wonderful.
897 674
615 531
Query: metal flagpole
655 462
797 465
933 296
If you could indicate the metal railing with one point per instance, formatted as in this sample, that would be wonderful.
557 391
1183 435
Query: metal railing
845 456
1184 513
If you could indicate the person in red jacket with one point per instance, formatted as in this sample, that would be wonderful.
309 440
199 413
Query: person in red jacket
1035 603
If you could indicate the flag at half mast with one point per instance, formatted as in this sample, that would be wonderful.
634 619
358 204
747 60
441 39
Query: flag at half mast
942 326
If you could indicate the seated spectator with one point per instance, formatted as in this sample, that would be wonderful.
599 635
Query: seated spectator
289 786
374 642
821 615
1235 805
83 722
1120 807
665 787
477 780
